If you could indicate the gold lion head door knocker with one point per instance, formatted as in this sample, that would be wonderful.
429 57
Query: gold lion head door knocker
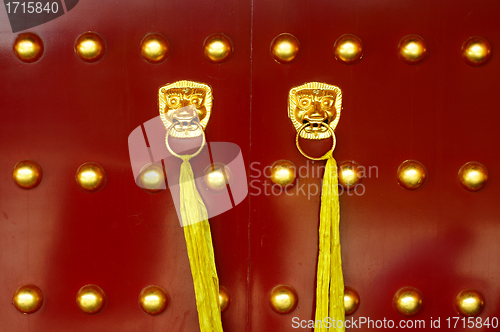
314 109
185 109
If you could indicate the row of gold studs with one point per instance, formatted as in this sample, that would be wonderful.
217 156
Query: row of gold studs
217 48
91 299
411 175
283 299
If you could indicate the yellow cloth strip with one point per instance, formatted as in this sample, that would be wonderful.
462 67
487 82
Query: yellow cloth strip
330 281
200 251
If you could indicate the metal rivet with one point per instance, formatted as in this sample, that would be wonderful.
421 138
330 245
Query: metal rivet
348 49
411 174
350 174
154 48
408 301
412 49
473 176
217 48
28 299
476 51
469 302
90 299
283 299
285 48
217 176
89 47
224 298
90 177
153 300
27 174
151 178
351 300
28 47
283 173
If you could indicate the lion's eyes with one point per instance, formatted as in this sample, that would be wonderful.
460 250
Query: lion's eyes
304 102
173 101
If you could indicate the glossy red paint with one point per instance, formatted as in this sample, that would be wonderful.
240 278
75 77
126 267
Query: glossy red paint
62 112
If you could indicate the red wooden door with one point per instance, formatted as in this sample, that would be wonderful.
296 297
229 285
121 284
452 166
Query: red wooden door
62 112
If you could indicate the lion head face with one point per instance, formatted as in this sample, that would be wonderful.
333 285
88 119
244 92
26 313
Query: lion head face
315 105
185 107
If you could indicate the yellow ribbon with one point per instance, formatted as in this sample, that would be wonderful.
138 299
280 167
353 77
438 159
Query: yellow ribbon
330 281
200 250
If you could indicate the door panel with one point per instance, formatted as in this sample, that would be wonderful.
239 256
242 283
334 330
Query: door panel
62 112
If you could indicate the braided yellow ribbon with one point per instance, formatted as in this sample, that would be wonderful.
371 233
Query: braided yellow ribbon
330 281
200 250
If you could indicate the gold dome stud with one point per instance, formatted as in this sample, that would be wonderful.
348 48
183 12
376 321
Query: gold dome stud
27 174
224 298
217 48
90 299
412 49
90 177
217 176
28 47
283 173
285 48
348 49
473 176
411 174
283 299
408 301
154 48
153 300
28 299
476 51
89 46
350 174
469 302
351 300
151 178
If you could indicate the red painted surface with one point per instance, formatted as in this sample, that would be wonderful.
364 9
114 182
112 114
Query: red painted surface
62 112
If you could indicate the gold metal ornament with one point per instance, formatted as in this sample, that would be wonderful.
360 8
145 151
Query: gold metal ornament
283 299
217 48
154 48
408 301
469 302
224 298
185 108
217 177
90 177
314 109
476 51
28 299
348 49
89 46
473 176
27 174
412 49
153 300
285 48
350 174
351 300
151 178
283 173
90 299
28 47
411 174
